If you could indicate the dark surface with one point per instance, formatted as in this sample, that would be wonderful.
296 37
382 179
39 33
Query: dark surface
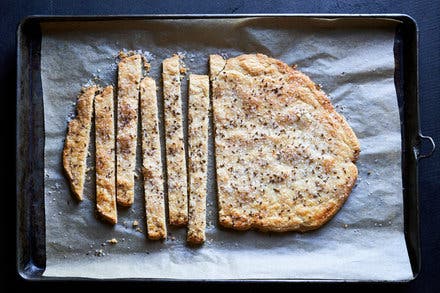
426 14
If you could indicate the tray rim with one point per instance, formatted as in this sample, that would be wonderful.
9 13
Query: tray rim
403 18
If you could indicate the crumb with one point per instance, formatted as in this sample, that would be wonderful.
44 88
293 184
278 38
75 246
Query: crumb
345 226
147 65
173 238
294 66
123 54
135 223
99 252
112 241
139 230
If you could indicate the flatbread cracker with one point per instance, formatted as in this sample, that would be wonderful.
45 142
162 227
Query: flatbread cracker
198 113
175 148
105 156
285 158
129 76
77 141
151 162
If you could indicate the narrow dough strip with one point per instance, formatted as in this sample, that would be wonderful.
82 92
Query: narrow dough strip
129 75
198 111
175 151
151 161
105 156
77 141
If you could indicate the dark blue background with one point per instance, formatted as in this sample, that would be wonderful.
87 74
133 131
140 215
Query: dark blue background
427 15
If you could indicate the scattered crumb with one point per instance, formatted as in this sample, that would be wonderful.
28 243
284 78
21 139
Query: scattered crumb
112 241
139 230
294 66
146 64
99 252
135 223
345 226
123 54
172 238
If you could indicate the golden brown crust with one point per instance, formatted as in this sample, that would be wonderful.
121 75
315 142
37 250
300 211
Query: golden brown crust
285 158
77 141
151 162
175 149
198 107
129 75
105 156
216 65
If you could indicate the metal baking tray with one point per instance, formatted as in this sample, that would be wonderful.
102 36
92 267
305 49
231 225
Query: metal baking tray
31 251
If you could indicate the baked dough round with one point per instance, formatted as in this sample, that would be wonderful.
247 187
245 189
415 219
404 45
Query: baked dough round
285 158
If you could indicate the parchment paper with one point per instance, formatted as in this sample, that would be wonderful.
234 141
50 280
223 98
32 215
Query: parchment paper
352 60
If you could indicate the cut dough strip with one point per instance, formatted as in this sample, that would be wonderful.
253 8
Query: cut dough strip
129 75
151 161
175 149
77 141
198 156
105 156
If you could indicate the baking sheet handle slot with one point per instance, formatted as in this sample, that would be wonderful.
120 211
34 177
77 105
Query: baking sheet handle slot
432 148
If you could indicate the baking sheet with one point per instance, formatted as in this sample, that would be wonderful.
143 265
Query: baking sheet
353 61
